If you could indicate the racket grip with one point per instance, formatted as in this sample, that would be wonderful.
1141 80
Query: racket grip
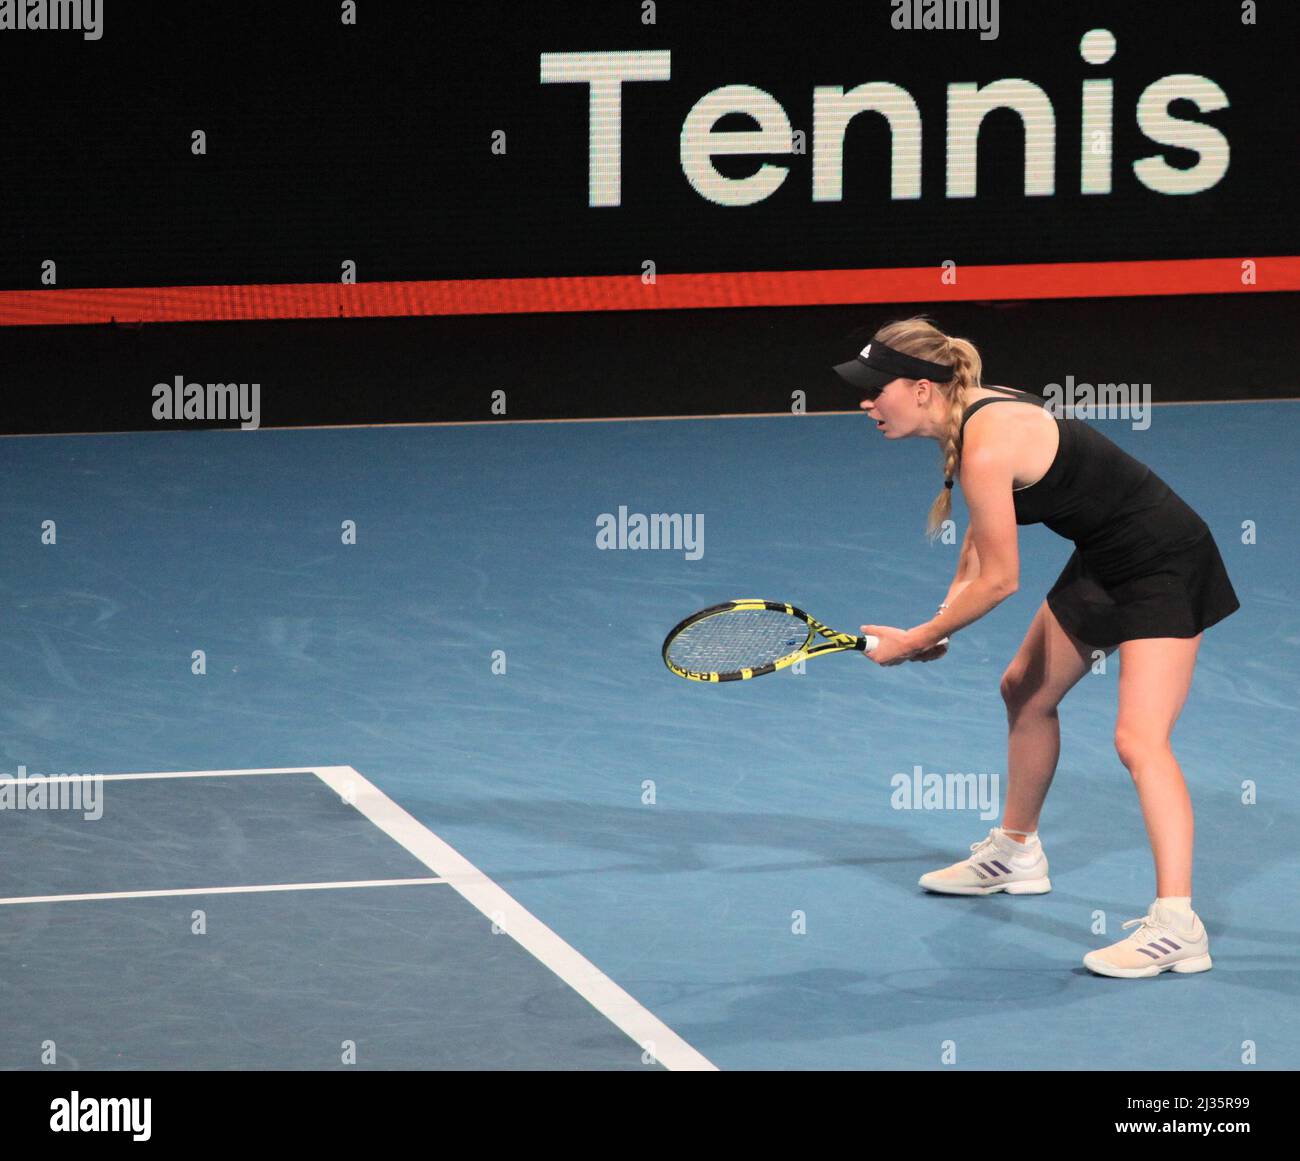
869 642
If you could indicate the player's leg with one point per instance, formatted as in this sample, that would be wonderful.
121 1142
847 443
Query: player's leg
1048 664
1155 675
1154 679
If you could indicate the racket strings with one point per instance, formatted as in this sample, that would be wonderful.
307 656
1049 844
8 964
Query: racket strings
740 639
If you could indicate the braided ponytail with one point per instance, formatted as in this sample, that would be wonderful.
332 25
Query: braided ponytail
962 355
920 337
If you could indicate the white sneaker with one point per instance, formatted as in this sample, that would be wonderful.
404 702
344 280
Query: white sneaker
1162 943
997 863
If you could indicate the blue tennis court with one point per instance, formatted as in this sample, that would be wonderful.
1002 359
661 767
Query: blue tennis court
427 615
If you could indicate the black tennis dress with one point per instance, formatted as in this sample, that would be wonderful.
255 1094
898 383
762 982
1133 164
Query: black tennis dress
1144 563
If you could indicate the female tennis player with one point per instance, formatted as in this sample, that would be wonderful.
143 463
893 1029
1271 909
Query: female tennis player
1145 577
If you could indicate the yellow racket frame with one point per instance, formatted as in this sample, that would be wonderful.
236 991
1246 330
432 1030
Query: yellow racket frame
835 642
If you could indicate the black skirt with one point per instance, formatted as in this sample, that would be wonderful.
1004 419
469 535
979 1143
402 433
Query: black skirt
1179 595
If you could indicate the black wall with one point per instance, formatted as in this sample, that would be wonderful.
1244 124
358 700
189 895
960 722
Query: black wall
371 143
625 364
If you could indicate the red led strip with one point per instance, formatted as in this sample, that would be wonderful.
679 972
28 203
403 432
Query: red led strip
921 284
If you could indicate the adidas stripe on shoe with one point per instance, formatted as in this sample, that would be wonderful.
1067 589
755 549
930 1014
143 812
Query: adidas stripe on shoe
1158 945
996 863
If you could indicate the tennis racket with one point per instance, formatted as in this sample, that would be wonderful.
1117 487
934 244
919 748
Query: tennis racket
741 639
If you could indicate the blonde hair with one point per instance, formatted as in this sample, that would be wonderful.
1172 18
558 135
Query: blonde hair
919 336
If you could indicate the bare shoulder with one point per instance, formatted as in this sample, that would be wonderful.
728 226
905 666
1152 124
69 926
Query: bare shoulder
1021 437
990 426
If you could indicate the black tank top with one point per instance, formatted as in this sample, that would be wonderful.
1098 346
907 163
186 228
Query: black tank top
1119 513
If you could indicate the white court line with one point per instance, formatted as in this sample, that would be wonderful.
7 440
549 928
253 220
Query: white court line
452 868
147 777
253 889
601 992
578 419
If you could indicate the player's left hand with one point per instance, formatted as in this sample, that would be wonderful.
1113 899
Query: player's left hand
931 654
